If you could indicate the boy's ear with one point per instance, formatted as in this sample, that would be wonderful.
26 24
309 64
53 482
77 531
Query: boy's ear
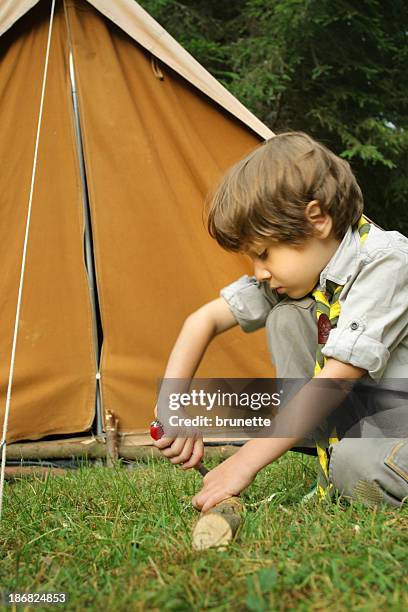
321 221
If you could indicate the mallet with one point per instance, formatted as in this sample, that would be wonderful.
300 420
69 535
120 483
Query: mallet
218 526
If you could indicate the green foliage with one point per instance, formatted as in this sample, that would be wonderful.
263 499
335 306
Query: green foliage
336 70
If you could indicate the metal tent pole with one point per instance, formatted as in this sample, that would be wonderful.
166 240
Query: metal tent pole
88 250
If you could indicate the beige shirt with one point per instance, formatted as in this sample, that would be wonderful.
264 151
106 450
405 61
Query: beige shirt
372 330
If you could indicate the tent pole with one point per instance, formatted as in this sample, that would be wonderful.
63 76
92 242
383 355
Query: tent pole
88 250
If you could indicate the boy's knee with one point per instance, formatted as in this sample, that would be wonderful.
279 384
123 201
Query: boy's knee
292 337
290 316
373 471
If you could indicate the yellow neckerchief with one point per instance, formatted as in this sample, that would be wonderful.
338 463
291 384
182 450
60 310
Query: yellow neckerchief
328 312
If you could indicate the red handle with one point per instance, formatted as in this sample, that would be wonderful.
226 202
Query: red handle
156 430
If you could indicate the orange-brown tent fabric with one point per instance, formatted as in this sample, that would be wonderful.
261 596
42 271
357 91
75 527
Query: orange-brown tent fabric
131 18
153 148
54 378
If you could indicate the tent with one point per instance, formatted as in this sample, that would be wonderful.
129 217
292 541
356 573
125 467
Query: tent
134 133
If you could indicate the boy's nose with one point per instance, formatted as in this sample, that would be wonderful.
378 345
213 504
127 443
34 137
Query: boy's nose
260 272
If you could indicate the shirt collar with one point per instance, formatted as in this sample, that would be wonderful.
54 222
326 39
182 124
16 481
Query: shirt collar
342 264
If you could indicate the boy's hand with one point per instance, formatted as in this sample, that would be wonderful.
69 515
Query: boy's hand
226 480
188 451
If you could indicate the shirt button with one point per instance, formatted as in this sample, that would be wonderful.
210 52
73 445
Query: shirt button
354 325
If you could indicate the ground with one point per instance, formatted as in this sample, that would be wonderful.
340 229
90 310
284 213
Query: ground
119 539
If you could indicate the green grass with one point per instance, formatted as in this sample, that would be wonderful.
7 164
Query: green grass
119 539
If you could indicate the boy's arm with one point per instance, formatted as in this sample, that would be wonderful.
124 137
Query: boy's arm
197 332
238 471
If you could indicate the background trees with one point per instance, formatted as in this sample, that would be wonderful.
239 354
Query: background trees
334 69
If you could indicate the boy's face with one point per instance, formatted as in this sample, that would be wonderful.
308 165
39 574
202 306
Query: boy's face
295 270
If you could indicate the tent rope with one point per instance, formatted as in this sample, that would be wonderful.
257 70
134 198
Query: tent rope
3 443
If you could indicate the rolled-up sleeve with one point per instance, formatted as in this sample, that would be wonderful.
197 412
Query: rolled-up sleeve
374 313
250 302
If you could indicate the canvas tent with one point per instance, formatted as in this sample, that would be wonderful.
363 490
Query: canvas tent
107 289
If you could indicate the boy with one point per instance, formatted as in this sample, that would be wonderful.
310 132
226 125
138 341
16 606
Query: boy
296 209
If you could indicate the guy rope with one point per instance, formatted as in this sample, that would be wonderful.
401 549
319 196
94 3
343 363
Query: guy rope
3 443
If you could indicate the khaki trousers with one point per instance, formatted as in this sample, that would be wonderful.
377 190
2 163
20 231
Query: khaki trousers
370 469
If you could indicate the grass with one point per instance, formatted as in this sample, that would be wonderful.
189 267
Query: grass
119 539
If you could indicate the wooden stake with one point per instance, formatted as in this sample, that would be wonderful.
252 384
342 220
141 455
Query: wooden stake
111 426
217 527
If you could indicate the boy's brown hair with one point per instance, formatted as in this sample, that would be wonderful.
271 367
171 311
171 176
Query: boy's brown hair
263 197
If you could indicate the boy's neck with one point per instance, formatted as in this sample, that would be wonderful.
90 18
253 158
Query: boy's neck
328 247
